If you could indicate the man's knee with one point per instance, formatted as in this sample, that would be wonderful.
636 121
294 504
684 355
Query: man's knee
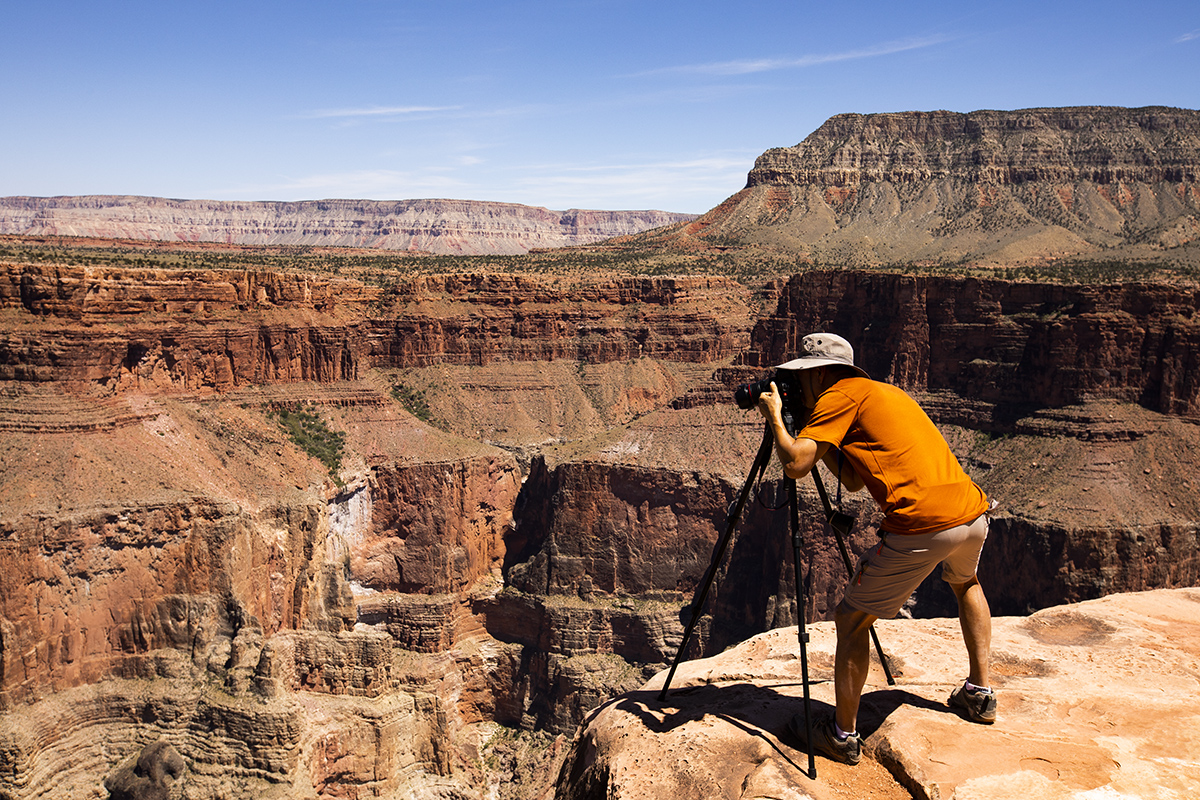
961 589
849 620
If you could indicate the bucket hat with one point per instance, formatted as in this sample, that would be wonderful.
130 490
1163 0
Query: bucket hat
824 349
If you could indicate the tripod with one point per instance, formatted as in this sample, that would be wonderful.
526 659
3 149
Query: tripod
841 524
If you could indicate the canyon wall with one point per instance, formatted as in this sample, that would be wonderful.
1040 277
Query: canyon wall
178 570
443 227
220 329
342 617
1001 348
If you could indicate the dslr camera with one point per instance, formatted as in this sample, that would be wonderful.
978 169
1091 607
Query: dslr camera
786 382
747 394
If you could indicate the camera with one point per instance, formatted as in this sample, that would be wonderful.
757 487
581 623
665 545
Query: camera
747 394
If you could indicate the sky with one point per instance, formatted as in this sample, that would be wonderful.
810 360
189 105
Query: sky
596 104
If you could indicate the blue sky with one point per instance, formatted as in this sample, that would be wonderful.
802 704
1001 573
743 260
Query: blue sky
603 104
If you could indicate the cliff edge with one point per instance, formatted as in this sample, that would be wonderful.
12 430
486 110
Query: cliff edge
1093 704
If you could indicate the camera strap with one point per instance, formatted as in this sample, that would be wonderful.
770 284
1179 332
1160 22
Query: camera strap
839 480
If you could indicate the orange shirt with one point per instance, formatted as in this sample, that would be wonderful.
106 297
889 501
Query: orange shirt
902 457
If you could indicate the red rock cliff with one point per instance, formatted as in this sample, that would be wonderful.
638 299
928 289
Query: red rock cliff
159 526
1001 347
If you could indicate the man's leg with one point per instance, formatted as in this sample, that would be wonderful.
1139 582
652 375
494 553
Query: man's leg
975 617
851 663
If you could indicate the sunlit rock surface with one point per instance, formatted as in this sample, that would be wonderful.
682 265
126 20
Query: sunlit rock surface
1094 703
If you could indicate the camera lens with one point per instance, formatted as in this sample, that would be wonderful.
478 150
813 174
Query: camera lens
746 395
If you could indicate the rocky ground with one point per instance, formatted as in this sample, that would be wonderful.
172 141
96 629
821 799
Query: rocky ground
1094 703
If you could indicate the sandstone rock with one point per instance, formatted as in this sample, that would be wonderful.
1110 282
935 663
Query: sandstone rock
214 331
1084 693
302 745
355 631
999 349
461 227
482 319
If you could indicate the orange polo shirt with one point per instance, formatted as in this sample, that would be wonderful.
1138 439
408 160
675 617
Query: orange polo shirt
901 455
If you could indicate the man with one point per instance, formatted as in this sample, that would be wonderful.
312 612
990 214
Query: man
873 435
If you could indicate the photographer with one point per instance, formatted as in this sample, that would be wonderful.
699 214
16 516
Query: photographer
873 435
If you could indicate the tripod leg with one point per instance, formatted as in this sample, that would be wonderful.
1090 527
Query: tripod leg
801 631
735 513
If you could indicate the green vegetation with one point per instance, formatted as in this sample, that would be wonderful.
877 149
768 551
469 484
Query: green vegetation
382 268
1074 270
311 434
387 269
414 401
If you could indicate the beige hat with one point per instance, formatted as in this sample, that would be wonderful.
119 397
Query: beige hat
824 349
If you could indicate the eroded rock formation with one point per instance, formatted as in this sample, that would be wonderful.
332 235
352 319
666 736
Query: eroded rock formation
986 186
309 634
535 469
456 227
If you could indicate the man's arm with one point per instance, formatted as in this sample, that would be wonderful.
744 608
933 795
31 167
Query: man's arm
797 455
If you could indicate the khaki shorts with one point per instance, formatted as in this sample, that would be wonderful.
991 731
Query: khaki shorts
891 571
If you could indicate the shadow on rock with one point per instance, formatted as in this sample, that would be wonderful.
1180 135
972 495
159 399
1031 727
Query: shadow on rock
758 710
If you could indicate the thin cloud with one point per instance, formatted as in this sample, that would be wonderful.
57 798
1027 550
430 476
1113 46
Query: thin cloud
702 163
1189 36
750 66
377 111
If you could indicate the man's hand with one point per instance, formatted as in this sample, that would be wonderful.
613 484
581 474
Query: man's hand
796 455
770 404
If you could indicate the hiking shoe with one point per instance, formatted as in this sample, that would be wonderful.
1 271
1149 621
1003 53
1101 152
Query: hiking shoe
825 741
979 705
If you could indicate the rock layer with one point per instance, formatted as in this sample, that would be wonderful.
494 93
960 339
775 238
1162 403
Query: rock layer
218 330
457 227
986 186
1003 347
358 631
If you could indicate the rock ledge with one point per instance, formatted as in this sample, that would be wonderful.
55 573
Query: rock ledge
1094 704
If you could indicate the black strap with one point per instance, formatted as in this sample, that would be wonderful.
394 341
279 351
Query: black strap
839 479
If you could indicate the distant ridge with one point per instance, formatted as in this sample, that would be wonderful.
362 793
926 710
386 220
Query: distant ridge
444 227
984 186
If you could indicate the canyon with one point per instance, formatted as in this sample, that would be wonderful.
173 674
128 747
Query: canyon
176 569
534 467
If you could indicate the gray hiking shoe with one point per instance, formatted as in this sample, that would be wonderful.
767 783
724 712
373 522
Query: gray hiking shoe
825 741
980 706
